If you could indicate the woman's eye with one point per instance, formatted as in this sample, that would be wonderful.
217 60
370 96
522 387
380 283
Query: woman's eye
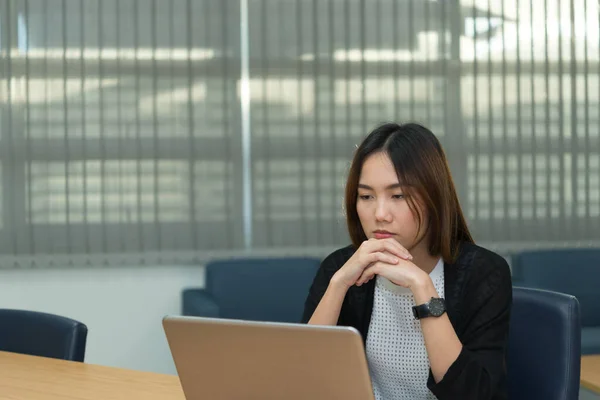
364 196
398 196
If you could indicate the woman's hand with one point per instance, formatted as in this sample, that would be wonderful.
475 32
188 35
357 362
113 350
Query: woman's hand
403 273
371 252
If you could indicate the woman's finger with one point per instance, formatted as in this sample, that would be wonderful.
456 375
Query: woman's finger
391 245
367 274
382 257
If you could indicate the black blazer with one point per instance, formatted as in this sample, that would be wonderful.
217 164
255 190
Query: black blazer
478 293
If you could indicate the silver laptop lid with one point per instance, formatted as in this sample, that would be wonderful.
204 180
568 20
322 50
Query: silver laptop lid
231 359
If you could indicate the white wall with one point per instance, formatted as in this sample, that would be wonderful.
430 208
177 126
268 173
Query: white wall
122 307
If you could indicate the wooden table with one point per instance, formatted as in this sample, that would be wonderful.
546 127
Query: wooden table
590 373
39 378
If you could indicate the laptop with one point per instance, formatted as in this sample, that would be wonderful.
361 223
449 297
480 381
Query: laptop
233 359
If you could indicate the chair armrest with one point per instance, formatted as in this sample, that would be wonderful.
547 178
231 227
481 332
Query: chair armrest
519 283
199 303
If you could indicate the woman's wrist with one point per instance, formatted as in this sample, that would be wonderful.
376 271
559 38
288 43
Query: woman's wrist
423 289
338 284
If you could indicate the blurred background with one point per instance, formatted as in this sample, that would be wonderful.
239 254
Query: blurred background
140 139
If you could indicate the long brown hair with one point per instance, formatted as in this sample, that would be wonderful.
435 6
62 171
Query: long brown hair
422 168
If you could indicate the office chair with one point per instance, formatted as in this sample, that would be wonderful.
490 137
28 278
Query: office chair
572 271
270 289
544 347
41 334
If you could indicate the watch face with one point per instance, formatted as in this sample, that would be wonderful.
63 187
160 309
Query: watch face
437 307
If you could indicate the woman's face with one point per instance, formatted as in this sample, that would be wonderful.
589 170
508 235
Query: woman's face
381 205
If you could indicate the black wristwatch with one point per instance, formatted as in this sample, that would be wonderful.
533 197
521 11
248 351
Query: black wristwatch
435 307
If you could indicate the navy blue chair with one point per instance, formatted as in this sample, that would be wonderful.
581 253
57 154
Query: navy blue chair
572 271
270 289
544 348
41 334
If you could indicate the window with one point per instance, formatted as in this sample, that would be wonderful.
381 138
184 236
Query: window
121 126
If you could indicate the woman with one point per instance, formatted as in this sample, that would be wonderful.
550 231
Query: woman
432 307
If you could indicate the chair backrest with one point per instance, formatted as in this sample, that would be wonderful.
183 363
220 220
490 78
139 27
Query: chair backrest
572 271
41 334
544 347
270 289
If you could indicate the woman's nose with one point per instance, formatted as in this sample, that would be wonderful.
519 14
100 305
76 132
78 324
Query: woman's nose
381 212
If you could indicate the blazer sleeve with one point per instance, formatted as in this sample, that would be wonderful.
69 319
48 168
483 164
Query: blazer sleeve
328 268
479 372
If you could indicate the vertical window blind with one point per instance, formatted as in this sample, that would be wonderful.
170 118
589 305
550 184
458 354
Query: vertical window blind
122 122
